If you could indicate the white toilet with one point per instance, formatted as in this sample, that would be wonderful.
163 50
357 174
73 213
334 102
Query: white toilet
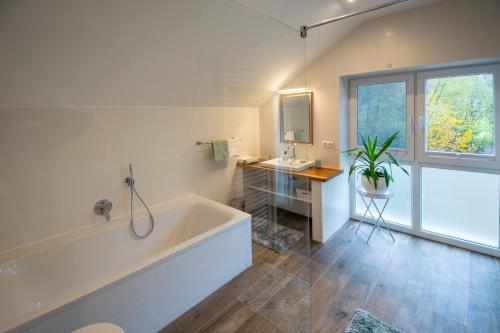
100 328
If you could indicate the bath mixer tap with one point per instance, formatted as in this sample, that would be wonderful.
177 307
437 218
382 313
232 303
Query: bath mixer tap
103 207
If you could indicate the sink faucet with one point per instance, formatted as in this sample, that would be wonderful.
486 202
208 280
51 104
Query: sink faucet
291 151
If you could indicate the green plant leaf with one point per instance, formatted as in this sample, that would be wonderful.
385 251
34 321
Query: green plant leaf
348 151
365 146
386 145
394 161
369 163
387 177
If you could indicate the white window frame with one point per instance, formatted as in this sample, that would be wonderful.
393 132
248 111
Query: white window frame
456 159
407 154
414 157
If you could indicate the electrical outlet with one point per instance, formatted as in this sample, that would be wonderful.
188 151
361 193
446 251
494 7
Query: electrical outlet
327 143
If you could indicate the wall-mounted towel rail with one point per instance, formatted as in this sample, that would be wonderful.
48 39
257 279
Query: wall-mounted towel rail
203 143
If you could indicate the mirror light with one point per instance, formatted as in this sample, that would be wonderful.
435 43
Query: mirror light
292 90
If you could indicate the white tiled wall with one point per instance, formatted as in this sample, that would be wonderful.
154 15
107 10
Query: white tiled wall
57 162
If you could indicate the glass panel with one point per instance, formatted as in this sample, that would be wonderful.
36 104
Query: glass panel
280 207
278 199
382 112
398 209
461 204
459 114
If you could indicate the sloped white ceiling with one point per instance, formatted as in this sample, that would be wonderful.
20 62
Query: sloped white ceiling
295 13
161 52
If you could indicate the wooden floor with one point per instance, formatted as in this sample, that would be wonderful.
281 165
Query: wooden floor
416 285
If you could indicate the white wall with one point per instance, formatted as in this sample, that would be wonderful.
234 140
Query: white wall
147 52
269 130
69 66
449 31
56 162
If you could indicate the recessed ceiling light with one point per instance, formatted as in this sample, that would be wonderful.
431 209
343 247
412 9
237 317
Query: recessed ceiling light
351 0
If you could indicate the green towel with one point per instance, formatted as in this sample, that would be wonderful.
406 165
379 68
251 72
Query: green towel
250 160
220 150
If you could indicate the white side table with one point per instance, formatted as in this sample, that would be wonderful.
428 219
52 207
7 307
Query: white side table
387 195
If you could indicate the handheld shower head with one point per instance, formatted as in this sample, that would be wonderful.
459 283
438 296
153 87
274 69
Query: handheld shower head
131 172
130 179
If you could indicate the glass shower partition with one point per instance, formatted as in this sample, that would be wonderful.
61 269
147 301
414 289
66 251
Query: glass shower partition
279 199
267 62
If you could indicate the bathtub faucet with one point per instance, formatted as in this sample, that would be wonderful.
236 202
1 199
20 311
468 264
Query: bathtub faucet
103 207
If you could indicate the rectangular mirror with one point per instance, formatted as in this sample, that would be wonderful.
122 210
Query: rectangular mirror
296 117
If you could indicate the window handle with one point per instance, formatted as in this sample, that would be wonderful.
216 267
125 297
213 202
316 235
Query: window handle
412 125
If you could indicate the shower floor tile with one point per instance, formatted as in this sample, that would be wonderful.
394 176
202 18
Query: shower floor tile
289 308
260 293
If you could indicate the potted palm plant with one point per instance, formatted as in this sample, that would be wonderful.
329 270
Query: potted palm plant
374 164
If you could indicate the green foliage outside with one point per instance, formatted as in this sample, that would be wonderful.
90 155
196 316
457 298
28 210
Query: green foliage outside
460 114
382 112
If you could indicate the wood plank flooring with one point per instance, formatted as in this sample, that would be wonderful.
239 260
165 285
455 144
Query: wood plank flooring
415 284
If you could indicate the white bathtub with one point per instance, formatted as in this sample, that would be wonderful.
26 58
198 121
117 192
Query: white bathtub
102 274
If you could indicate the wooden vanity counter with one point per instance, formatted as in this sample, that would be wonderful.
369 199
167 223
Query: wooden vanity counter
322 174
325 188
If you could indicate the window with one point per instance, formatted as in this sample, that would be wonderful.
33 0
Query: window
456 109
382 112
451 152
459 114
384 106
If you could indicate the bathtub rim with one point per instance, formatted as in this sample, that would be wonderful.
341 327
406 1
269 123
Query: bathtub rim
37 316
66 237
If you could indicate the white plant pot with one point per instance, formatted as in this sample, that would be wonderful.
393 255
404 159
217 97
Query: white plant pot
369 186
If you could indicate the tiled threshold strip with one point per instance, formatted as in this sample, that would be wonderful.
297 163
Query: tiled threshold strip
280 297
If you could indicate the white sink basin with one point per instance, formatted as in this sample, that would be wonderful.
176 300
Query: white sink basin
288 165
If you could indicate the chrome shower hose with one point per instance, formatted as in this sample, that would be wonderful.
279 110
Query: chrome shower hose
131 182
